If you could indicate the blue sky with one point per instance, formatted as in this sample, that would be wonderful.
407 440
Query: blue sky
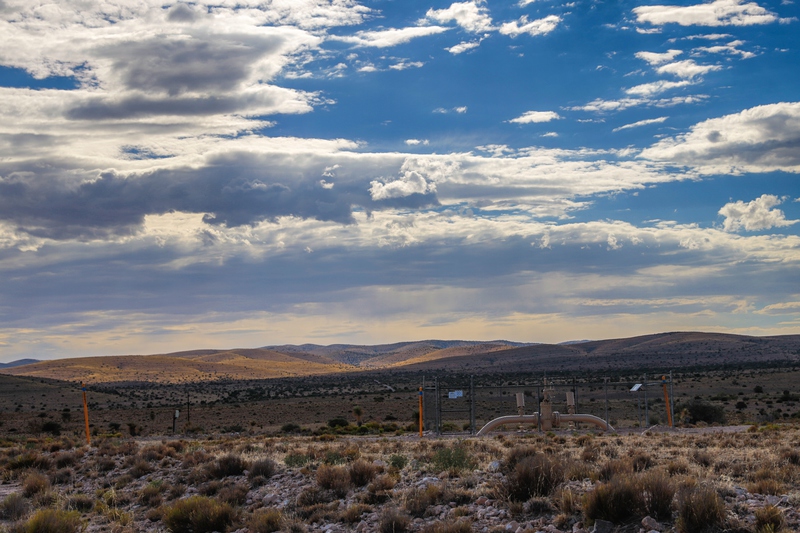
178 175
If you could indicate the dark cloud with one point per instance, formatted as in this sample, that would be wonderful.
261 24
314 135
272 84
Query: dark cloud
181 13
232 190
215 63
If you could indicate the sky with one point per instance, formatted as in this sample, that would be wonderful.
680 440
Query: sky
219 174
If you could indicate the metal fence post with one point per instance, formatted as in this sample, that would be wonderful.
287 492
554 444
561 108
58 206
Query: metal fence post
472 404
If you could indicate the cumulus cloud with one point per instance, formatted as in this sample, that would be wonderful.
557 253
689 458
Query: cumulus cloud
756 215
417 142
472 16
686 69
731 48
409 183
759 139
389 37
530 117
541 26
655 88
655 58
716 13
462 47
641 123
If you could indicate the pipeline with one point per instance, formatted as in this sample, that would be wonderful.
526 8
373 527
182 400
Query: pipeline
556 419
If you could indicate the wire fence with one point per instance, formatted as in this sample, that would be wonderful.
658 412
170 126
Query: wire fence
456 405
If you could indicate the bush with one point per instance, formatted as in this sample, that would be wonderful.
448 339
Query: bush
769 519
398 461
228 465
140 468
453 459
453 527
52 427
81 502
393 521
353 514
198 514
54 521
294 460
615 501
700 509
265 468
265 521
334 478
14 507
536 475
700 411
657 492
362 472
338 423
35 484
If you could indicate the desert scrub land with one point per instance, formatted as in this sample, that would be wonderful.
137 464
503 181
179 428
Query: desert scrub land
676 481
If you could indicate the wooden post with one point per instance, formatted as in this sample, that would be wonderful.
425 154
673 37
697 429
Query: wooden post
86 415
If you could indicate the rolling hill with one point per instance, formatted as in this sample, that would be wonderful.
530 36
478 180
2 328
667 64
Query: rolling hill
678 350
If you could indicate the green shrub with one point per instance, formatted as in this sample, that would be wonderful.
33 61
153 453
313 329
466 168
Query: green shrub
700 411
295 460
54 521
536 475
398 461
453 459
338 423
198 514
700 509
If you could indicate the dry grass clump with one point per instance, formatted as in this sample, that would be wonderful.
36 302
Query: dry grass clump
770 519
624 498
263 468
453 460
361 472
35 484
334 478
265 521
150 495
54 521
233 494
353 514
198 514
615 468
461 526
14 507
227 465
394 521
534 475
140 468
80 502
700 509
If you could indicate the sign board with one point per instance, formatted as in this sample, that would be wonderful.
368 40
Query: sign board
455 394
636 387
177 413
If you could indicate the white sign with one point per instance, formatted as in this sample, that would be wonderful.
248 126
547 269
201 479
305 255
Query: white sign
455 394
636 387
177 413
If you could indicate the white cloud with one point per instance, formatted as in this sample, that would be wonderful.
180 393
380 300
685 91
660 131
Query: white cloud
656 87
640 123
460 109
756 215
472 16
654 58
417 142
732 48
536 27
462 47
686 69
602 106
411 182
550 134
530 117
760 139
403 65
389 37
716 13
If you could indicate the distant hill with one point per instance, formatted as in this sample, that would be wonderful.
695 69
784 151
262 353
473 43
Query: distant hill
18 362
676 350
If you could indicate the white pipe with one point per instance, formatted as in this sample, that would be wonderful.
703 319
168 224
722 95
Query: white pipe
500 421
534 419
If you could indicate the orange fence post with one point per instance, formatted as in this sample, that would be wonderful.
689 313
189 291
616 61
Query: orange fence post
86 415
420 412
666 400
